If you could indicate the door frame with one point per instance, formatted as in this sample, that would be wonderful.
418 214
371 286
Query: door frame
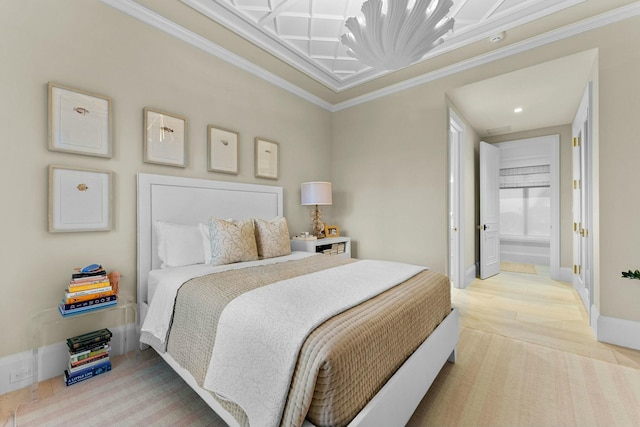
554 161
456 220
584 121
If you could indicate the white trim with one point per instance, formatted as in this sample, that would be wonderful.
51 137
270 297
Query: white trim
566 274
141 13
470 274
459 204
514 49
612 330
54 358
553 152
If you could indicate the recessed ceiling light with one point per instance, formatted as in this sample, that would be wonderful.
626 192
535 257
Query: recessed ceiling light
517 110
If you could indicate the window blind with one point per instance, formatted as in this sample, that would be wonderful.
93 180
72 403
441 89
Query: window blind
526 177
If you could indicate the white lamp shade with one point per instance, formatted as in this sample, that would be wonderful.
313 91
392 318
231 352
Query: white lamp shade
316 193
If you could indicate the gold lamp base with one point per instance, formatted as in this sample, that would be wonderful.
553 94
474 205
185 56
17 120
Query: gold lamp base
318 225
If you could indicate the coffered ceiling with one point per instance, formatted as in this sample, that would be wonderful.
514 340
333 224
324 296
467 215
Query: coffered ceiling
306 33
295 44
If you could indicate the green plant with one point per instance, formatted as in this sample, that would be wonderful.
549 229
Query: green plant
631 274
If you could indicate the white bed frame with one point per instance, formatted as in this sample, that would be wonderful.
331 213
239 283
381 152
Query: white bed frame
192 201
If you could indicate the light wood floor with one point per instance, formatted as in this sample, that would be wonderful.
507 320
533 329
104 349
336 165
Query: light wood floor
536 309
527 307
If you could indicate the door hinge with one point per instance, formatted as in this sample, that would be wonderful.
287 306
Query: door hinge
577 269
576 184
576 141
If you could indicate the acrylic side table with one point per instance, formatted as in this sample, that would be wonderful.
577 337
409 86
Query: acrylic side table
122 313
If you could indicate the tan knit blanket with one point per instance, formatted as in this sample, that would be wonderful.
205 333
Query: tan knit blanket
325 387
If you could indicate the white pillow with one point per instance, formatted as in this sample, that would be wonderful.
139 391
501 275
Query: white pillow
206 241
178 244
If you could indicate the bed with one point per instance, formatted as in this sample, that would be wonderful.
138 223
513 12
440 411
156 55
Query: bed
188 202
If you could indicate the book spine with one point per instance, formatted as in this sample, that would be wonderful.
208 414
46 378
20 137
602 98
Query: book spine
78 275
88 338
90 346
71 379
75 362
88 286
91 279
90 302
88 297
95 307
87 292
75 356
88 363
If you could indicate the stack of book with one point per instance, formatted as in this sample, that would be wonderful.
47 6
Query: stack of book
89 289
88 356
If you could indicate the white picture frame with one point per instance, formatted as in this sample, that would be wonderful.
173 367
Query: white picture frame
80 199
165 138
222 150
267 159
79 121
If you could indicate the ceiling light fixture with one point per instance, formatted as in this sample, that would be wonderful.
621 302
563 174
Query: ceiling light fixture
497 38
400 37
517 110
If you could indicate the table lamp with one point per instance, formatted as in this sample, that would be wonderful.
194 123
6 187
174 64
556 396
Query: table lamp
316 193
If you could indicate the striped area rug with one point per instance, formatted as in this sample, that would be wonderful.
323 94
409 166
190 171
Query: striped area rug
147 394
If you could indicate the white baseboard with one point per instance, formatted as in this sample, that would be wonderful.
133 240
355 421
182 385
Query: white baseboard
566 274
622 332
470 275
53 359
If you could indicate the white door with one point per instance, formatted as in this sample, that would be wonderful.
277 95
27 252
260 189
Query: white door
582 280
489 210
456 212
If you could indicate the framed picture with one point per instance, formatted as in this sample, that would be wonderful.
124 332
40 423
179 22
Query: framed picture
79 199
79 121
331 231
222 150
165 138
267 158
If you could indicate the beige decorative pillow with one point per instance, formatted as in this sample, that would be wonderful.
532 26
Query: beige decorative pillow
272 237
232 241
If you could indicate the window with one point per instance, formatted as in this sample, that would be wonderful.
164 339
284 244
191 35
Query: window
525 201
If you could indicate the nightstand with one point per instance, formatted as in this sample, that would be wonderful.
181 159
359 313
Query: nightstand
328 246
123 313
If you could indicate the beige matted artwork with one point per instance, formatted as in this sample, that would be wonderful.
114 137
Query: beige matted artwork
79 199
165 138
267 158
222 150
79 121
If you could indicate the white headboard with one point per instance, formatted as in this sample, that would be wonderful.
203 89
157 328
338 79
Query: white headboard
192 201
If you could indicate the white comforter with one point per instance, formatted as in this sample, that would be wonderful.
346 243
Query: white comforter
156 324
260 333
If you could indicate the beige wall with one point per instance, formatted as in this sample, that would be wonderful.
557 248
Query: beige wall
566 220
387 158
389 161
89 45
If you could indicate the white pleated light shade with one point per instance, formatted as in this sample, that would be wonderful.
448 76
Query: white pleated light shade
316 193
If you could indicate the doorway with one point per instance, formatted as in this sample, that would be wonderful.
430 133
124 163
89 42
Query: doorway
529 195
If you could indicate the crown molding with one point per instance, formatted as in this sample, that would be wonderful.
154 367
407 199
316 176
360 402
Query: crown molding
143 14
147 16
574 29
